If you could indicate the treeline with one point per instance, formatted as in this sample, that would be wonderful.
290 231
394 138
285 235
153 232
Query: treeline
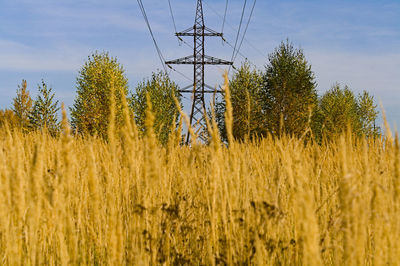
100 82
281 99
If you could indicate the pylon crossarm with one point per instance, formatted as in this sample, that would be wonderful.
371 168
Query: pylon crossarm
189 60
206 34
182 61
209 60
189 89
210 31
208 91
185 31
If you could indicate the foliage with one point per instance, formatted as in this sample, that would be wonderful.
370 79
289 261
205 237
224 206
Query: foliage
22 105
44 111
340 108
279 100
289 93
248 118
161 91
283 100
368 113
100 76
129 201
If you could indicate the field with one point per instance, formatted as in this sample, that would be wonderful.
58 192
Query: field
129 201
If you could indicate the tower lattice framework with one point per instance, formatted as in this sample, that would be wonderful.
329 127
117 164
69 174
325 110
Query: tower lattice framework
199 59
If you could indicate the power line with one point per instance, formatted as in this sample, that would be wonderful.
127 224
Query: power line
152 35
240 53
172 15
234 30
226 41
223 22
245 31
238 32
229 44
199 59
180 73
191 47
162 59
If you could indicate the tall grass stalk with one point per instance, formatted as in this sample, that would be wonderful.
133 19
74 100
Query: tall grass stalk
130 200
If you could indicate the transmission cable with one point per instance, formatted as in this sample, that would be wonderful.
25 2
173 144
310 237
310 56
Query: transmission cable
162 59
245 31
152 35
226 41
233 29
238 32
173 18
180 73
223 22
191 47
240 53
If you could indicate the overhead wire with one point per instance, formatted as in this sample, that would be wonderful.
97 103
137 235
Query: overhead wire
234 30
238 32
191 47
223 22
224 40
240 53
180 73
179 40
152 35
245 31
172 14
160 55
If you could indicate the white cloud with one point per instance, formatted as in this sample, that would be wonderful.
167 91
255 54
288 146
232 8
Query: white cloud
342 46
377 72
21 57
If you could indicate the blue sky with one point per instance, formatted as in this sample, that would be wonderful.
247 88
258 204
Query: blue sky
351 42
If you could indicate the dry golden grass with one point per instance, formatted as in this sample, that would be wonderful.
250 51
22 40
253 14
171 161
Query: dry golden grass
130 201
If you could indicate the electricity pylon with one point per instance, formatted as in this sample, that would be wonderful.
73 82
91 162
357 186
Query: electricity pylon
199 59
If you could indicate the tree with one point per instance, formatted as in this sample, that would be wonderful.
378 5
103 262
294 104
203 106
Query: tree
101 78
44 111
289 92
161 91
22 105
248 118
340 108
368 113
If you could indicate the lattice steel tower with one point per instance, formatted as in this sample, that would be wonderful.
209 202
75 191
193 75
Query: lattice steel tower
199 59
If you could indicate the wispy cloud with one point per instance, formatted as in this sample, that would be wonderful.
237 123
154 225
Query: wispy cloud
352 42
21 57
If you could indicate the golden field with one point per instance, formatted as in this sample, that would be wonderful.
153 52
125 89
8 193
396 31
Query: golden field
129 201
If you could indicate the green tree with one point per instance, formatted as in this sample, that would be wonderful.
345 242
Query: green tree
22 105
289 91
161 91
368 113
97 80
246 97
338 109
44 111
